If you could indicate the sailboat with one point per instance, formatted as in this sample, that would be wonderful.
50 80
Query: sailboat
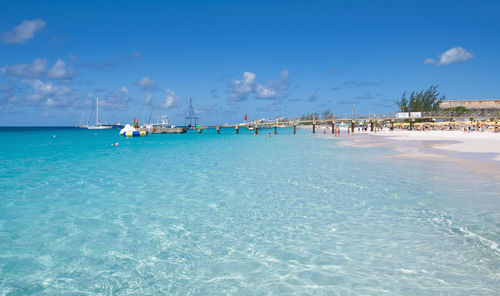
97 124
82 122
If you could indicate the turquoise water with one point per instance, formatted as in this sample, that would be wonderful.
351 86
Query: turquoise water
208 214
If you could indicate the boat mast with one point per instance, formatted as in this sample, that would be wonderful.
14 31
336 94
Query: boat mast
97 112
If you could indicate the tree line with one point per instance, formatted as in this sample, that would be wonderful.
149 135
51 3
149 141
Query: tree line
416 101
420 101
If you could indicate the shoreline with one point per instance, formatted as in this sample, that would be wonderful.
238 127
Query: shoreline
475 151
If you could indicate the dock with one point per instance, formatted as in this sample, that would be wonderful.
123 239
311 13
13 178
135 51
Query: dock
164 130
370 119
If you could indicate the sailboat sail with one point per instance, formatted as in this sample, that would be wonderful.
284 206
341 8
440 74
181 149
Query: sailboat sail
97 124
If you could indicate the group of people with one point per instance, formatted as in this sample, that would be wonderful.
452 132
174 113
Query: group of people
336 130
422 127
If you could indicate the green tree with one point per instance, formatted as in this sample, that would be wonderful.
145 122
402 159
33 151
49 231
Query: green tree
422 101
327 114
310 116
458 109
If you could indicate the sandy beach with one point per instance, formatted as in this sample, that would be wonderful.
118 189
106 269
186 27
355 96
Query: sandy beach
459 141
474 151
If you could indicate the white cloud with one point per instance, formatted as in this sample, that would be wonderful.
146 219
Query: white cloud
451 56
454 55
240 89
39 70
58 70
429 61
265 92
146 83
273 90
171 100
48 94
23 32
124 91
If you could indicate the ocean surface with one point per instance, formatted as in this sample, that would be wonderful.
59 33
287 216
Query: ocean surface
208 214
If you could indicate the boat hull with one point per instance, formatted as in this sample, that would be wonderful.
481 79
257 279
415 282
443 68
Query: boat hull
99 127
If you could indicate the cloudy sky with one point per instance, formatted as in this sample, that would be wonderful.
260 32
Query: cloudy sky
147 58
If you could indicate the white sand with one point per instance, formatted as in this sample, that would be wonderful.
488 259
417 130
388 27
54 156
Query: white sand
474 151
473 142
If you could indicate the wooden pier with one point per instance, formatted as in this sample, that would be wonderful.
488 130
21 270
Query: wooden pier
165 130
370 120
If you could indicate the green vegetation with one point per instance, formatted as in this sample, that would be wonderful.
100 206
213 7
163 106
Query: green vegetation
422 101
458 109
325 115
310 116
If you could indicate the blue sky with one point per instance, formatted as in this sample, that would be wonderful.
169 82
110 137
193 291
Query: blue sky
261 58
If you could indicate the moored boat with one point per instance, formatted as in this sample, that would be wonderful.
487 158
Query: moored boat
98 126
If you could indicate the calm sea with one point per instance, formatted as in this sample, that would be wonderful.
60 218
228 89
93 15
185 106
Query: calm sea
208 214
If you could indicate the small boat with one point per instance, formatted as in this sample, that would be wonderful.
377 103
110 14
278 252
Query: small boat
164 127
98 125
116 125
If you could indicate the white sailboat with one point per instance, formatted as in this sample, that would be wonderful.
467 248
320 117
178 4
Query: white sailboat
82 122
97 124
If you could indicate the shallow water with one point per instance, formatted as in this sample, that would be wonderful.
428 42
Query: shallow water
210 214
